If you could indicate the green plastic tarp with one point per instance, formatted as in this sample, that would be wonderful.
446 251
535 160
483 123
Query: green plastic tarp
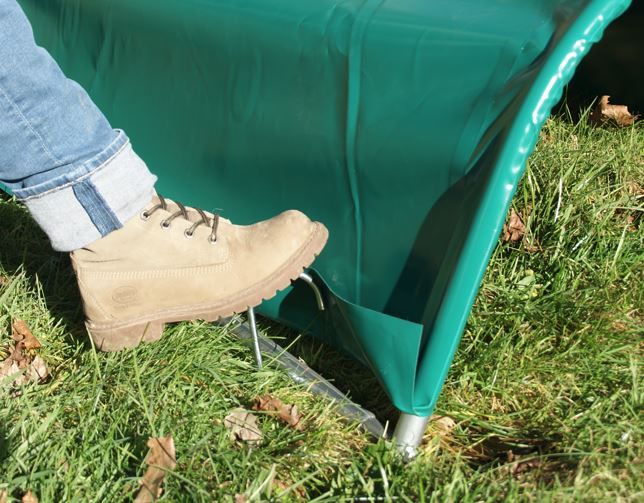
403 125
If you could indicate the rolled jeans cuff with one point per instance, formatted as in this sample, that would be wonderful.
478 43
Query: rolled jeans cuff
92 200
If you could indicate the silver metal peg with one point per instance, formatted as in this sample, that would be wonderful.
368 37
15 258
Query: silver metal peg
318 295
253 330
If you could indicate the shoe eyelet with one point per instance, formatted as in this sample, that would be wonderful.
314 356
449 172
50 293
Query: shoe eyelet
165 224
145 216
212 241
188 234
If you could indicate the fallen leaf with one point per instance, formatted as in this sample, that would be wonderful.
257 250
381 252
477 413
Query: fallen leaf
38 369
287 412
297 492
607 113
243 426
10 368
523 466
513 229
620 326
517 466
17 353
21 333
24 368
3 496
4 280
29 497
444 424
161 459
240 498
635 189
533 247
631 223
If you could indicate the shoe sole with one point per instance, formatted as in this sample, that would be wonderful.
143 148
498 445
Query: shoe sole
122 335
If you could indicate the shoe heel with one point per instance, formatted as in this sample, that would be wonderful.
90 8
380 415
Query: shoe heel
115 339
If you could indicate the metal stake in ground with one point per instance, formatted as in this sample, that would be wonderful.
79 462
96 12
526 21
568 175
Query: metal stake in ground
253 330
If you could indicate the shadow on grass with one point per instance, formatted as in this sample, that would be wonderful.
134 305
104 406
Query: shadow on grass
356 381
530 460
24 247
4 445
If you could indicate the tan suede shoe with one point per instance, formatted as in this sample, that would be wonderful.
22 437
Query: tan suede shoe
174 263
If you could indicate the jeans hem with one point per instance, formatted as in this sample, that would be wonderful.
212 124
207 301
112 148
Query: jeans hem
96 203
78 173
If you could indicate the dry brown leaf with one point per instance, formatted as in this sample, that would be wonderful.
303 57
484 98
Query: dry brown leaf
281 485
517 465
513 229
607 113
10 368
520 467
21 333
619 326
4 280
631 223
23 367
240 498
38 369
444 424
17 354
161 459
14 366
296 492
286 412
635 189
29 497
243 426
3 496
532 247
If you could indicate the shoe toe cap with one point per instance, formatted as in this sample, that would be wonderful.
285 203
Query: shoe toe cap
286 236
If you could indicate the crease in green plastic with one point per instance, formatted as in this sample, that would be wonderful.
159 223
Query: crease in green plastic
403 125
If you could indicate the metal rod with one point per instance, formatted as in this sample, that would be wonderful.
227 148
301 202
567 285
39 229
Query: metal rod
408 434
302 374
253 329
318 295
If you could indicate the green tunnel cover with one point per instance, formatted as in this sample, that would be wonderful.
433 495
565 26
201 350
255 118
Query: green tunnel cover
403 125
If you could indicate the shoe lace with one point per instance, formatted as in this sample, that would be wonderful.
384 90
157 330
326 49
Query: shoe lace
213 223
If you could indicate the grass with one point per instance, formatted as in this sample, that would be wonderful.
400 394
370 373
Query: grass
545 390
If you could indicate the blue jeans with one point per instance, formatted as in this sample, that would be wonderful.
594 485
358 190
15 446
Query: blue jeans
79 177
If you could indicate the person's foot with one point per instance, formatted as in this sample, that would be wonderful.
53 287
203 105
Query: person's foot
173 263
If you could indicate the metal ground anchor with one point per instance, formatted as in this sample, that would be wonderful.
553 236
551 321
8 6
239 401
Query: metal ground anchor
253 323
253 329
316 291
301 373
